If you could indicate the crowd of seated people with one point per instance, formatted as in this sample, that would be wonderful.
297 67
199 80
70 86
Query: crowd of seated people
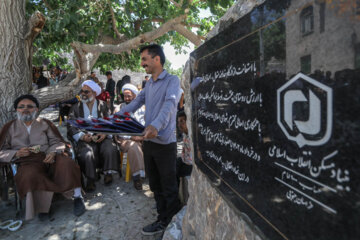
53 170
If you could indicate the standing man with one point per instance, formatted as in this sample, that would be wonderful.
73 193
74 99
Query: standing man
144 82
59 76
160 99
93 77
110 88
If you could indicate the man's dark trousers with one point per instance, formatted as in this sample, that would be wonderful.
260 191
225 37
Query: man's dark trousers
160 167
112 104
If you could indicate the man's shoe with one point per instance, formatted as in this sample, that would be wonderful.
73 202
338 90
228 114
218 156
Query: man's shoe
79 206
108 179
43 216
138 183
153 228
90 186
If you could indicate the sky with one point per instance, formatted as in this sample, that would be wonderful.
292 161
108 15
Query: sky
177 61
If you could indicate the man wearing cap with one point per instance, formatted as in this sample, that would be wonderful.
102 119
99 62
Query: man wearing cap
93 150
133 149
37 148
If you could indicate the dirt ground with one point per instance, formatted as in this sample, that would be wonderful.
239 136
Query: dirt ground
117 211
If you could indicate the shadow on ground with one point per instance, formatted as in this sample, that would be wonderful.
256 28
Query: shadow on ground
117 211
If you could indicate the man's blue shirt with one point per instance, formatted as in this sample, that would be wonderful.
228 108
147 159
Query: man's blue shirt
160 99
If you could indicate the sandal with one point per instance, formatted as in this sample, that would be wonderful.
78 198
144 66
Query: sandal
15 225
6 224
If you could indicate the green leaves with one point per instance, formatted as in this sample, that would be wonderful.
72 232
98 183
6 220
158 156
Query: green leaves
87 21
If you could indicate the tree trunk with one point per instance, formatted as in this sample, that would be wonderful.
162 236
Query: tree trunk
15 74
16 39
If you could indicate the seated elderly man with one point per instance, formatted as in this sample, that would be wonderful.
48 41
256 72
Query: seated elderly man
93 150
133 149
37 147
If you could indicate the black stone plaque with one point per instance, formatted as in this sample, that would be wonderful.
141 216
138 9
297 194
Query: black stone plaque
276 117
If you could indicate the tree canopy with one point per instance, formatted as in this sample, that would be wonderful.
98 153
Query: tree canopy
88 22
103 34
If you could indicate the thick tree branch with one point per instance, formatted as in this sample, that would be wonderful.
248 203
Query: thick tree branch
195 39
68 87
85 60
192 25
132 43
118 34
137 23
36 24
54 94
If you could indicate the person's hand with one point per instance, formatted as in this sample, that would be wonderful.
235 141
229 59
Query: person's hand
50 158
137 138
86 138
119 140
23 152
101 137
150 132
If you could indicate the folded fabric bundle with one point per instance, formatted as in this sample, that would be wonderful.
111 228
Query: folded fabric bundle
116 124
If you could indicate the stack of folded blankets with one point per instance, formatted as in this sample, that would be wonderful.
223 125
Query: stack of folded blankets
124 124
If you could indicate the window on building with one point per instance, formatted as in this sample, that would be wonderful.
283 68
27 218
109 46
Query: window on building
322 17
307 21
357 7
357 55
305 62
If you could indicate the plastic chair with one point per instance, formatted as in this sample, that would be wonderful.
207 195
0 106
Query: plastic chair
127 171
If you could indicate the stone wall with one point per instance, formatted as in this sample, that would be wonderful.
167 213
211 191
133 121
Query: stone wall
208 215
136 77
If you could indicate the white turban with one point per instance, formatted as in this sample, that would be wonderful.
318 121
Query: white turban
93 85
130 87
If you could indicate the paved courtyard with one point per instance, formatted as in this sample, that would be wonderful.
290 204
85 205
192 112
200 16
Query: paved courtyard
117 211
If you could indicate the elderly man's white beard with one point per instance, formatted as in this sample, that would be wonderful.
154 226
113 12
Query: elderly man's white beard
85 99
26 117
